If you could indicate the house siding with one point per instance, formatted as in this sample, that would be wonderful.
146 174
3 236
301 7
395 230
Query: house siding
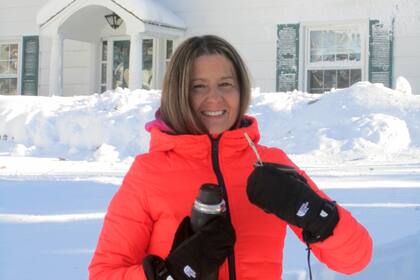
250 25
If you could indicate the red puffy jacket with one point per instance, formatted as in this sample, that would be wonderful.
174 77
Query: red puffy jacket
158 192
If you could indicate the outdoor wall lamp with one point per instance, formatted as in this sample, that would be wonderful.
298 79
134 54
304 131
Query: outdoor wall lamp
114 20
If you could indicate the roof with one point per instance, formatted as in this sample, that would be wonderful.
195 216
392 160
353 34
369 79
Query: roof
147 11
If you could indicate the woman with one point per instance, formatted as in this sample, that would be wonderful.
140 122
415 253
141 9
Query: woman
200 136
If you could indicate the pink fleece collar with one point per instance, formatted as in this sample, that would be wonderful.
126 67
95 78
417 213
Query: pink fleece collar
157 123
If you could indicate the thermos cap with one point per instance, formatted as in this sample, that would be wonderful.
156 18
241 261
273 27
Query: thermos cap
210 200
213 209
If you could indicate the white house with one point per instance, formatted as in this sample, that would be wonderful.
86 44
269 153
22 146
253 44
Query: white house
67 47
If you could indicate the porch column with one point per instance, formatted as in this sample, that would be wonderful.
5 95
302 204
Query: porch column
56 66
136 61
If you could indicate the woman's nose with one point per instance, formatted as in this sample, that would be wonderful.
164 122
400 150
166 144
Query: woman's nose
214 93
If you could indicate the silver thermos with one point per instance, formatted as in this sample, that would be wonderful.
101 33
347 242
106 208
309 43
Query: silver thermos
208 205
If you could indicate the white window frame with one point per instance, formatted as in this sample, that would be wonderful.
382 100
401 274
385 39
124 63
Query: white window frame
19 42
361 26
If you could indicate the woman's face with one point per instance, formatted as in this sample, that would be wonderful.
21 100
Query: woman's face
214 92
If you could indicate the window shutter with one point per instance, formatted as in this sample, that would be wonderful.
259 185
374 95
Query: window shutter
30 60
380 52
287 57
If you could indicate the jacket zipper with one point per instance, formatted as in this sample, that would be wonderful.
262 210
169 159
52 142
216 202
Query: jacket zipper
221 182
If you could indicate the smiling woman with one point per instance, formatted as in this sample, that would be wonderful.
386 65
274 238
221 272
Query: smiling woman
206 84
215 94
202 136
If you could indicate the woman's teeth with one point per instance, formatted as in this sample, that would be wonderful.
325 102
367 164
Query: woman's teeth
213 113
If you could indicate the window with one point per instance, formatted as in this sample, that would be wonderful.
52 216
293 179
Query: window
104 59
334 57
120 64
169 51
9 61
147 63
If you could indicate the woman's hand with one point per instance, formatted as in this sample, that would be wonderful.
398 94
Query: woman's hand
193 255
280 190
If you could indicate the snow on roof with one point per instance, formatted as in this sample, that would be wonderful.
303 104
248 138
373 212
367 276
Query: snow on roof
148 11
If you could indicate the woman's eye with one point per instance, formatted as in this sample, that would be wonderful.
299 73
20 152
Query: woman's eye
198 86
226 85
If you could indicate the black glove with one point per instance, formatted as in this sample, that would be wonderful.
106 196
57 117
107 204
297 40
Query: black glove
280 190
193 255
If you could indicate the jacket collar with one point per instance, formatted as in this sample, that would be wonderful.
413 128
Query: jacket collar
199 146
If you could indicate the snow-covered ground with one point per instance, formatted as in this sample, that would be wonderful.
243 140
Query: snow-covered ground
62 159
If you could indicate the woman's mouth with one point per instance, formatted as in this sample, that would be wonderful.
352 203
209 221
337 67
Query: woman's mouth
213 113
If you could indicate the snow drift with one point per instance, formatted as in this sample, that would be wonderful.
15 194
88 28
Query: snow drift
365 121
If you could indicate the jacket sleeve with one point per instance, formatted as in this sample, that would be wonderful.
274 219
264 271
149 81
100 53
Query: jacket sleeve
349 249
125 234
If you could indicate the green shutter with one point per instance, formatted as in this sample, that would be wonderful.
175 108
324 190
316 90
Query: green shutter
30 60
287 68
380 52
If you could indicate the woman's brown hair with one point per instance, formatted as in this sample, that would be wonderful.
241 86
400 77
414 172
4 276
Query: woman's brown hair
175 108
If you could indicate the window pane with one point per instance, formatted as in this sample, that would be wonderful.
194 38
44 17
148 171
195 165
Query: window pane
355 76
13 51
316 39
169 48
342 54
330 79
104 50
354 56
121 64
13 67
103 73
4 86
4 52
8 86
13 86
343 79
316 55
316 46
317 90
343 39
329 39
355 47
147 63
334 45
316 80
328 57
4 67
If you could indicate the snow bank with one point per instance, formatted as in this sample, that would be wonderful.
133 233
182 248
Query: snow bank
365 121
98 127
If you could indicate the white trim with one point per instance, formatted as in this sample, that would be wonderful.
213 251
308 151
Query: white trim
135 61
137 12
93 73
155 63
